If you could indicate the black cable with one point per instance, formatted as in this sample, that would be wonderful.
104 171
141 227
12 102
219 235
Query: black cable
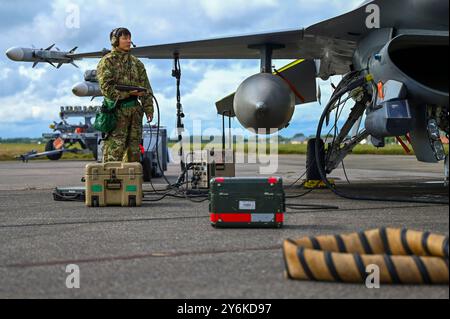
306 171
345 172
189 197
198 201
186 167
338 93
310 206
175 195
157 140
303 175
301 195
156 146
158 191
155 200
308 167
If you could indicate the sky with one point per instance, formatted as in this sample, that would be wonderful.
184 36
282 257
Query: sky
30 98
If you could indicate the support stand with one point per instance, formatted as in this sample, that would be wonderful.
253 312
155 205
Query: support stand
230 142
176 73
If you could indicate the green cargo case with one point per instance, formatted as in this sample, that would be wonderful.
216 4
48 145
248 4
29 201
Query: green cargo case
247 202
113 184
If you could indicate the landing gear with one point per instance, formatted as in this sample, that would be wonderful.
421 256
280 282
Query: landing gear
312 170
342 137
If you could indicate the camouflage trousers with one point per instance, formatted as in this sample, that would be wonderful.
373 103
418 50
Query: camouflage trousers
122 144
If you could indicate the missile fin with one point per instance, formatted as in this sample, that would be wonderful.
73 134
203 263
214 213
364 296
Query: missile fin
50 62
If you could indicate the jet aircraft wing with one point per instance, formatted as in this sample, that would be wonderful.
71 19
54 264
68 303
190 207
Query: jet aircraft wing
332 41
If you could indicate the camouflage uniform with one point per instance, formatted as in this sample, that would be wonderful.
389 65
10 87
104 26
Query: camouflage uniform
118 67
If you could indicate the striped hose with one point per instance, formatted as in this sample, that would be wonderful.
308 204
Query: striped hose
403 257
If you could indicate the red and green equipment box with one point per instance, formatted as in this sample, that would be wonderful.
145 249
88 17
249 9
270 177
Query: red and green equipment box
247 202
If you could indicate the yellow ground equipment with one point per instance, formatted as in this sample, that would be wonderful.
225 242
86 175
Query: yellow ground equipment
403 257
316 184
114 184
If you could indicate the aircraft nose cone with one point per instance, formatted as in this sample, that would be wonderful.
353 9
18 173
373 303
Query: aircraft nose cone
80 89
15 54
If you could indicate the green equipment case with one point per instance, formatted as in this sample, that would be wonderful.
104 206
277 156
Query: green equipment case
114 184
247 202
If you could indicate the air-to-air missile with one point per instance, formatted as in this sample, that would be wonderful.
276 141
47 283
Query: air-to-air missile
42 55
87 89
90 86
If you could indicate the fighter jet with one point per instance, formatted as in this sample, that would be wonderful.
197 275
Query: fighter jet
392 56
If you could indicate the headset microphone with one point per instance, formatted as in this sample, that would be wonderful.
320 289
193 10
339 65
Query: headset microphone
132 43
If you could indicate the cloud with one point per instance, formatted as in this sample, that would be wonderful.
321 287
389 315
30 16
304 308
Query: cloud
33 75
18 12
5 73
217 10
29 106
216 84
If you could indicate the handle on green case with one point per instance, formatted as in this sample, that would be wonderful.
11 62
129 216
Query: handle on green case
113 184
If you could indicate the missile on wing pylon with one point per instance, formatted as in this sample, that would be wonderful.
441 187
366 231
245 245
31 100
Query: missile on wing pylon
42 55
87 89
90 87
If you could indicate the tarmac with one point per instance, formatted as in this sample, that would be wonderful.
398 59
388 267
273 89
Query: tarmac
168 249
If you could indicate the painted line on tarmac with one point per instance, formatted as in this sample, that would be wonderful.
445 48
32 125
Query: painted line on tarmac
314 211
140 256
102 221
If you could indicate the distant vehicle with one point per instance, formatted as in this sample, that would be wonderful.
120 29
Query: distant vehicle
66 135
155 154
